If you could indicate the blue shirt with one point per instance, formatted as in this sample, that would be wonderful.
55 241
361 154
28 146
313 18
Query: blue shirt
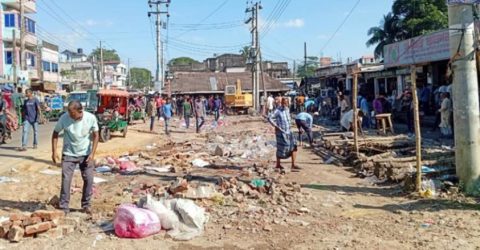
364 106
281 118
31 108
304 116
167 110
217 104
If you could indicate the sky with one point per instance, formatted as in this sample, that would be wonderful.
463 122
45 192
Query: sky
202 28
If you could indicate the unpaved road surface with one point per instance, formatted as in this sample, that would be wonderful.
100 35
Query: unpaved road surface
334 210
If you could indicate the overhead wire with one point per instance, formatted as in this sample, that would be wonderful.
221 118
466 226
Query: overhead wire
341 25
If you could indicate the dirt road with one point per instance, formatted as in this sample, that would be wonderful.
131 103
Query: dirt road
334 210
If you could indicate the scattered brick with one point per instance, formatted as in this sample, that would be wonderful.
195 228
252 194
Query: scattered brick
67 229
18 217
49 215
38 228
31 221
15 234
17 223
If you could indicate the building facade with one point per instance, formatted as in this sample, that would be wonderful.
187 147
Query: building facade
10 65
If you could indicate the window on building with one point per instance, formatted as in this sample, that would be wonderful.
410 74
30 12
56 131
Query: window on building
46 66
9 57
54 67
31 59
9 20
30 25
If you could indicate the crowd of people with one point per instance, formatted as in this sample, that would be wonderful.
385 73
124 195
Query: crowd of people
184 107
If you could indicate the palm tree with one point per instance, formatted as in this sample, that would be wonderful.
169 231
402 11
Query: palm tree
388 32
245 52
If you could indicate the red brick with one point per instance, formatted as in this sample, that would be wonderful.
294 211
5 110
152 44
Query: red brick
49 215
15 234
17 223
31 221
38 228
4 231
16 217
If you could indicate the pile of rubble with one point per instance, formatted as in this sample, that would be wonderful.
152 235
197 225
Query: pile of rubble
41 223
390 158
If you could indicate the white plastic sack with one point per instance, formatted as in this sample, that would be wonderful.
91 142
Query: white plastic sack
168 218
200 163
190 214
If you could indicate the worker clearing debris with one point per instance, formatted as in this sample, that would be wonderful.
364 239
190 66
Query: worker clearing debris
286 143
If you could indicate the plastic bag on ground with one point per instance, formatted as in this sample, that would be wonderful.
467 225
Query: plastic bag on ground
168 218
200 163
127 166
192 218
133 222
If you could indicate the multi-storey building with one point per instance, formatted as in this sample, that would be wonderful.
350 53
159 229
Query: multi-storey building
10 36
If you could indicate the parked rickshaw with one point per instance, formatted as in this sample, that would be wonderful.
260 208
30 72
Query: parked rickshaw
136 112
112 113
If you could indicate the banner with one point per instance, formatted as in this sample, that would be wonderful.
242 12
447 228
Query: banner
422 49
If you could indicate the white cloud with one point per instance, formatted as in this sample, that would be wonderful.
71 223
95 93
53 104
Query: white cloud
97 23
294 23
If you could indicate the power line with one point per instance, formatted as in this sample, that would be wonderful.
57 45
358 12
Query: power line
207 17
341 25
275 16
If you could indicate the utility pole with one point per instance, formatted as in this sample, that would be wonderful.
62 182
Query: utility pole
39 64
102 72
294 74
23 60
128 74
465 96
305 57
159 79
14 58
255 50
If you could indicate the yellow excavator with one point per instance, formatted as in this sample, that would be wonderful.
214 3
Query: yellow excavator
236 101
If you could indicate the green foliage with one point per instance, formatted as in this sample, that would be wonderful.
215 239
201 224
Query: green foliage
140 78
108 55
408 18
308 70
182 61
245 52
388 32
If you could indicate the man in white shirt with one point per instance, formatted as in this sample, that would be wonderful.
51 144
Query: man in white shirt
270 102
347 120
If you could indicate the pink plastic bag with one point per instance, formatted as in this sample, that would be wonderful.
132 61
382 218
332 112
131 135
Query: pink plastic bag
133 222
127 166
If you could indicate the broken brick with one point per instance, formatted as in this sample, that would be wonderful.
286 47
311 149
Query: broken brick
4 228
49 215
15 234
16 223
178 186
31 221
38 228
56 222
17 217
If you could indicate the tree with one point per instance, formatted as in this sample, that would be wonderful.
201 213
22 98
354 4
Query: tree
408 18
108 55
245 52
182 61
140 78
309 69
388 32
419 17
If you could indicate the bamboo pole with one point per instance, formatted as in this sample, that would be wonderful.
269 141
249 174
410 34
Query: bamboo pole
355 113
418 136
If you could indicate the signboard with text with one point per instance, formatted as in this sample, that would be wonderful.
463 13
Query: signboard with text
463 2
422 49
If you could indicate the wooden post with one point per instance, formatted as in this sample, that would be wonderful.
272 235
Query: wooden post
355 113
418 135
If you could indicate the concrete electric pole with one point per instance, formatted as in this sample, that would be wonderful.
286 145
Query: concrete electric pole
255 54
159 51
465 95
23 59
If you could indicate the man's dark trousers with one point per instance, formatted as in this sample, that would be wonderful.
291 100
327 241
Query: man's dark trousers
69 163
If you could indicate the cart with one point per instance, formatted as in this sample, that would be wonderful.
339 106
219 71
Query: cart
112 113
